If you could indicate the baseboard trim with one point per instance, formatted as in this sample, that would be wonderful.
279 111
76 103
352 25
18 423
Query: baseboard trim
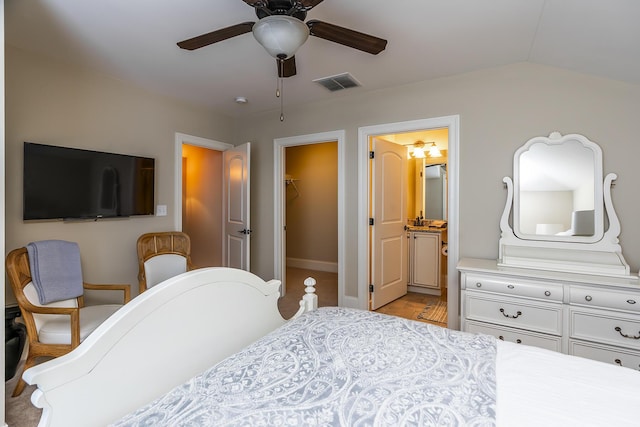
352 302
310 264
421 290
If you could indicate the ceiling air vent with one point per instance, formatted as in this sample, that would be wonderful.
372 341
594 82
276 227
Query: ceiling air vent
338 82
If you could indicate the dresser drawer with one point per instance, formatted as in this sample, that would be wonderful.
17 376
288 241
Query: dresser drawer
593 325
515 335
605 298
541 290
514 312
602 353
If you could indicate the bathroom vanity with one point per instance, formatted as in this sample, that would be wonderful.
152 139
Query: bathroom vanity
427 259
570 290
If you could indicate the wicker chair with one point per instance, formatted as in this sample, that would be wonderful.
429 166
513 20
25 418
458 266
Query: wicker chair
56 328
162 255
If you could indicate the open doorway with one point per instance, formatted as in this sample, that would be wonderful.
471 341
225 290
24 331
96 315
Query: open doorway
408 244
212 200
365 262
292 179
311 223
201 196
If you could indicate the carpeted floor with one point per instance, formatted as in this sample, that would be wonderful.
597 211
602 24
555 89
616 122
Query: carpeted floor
19 411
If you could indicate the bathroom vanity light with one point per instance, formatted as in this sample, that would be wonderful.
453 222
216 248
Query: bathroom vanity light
434 151
418 150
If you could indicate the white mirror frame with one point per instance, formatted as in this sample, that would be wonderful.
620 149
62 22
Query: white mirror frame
556 140
599 257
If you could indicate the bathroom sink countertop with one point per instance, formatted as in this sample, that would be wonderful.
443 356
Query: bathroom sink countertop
424 228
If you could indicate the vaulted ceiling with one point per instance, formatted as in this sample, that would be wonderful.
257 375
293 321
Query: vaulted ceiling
135 40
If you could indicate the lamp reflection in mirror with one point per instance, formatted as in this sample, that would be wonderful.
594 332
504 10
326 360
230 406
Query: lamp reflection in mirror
280 35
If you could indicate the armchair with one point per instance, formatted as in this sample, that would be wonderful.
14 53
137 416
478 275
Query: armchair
162 255
58 327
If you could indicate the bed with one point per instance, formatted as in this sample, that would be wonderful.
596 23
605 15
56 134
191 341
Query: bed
209 347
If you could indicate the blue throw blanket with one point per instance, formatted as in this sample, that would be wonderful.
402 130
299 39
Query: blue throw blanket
55 270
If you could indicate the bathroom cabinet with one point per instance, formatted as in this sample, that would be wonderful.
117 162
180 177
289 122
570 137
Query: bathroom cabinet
424 261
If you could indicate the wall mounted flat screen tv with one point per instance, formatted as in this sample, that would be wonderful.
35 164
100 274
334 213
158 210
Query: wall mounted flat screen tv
69 183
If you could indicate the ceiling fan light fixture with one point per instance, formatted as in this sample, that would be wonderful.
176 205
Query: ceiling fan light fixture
280 35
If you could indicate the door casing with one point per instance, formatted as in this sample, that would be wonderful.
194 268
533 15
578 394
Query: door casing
364 133
279 254
180 139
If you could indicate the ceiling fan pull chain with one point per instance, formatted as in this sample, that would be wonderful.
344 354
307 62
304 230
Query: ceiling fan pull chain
280 88
281 101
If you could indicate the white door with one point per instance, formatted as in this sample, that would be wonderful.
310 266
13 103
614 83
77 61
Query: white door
389 267
237 231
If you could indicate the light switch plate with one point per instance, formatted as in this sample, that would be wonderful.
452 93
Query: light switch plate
161 210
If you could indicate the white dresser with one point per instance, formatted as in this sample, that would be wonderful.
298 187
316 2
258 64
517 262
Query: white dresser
597 317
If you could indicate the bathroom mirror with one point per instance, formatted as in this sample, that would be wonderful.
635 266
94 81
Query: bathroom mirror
429 189
558 190
435 191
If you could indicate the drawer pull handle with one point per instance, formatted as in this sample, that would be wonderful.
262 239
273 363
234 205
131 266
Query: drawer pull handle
547 293
510 286
515 316
478 285
518 341
618 362
633 337
630 301
588 298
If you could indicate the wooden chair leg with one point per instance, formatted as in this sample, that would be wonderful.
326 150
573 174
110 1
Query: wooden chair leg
20 385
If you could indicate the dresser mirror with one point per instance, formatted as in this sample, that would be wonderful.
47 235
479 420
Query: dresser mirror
558 214
558 190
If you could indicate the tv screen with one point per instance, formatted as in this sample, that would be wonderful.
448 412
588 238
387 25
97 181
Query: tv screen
69 183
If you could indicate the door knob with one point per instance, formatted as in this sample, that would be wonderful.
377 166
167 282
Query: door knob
245 231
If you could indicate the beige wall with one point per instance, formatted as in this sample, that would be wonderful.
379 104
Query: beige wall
57 104
202 204
312 212
499 109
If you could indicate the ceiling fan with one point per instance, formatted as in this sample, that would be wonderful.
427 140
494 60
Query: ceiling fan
281 30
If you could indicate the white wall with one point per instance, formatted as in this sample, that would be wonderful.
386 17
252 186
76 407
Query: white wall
500 109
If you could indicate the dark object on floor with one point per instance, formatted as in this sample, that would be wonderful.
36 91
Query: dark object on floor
15 335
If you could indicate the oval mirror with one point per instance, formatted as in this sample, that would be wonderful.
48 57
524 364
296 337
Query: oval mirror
558 190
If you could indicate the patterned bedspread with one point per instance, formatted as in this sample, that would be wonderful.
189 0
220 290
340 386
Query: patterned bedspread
341 367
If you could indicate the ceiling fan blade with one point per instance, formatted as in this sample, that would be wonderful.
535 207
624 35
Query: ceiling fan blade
286 68
309 4
216 36
347 37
